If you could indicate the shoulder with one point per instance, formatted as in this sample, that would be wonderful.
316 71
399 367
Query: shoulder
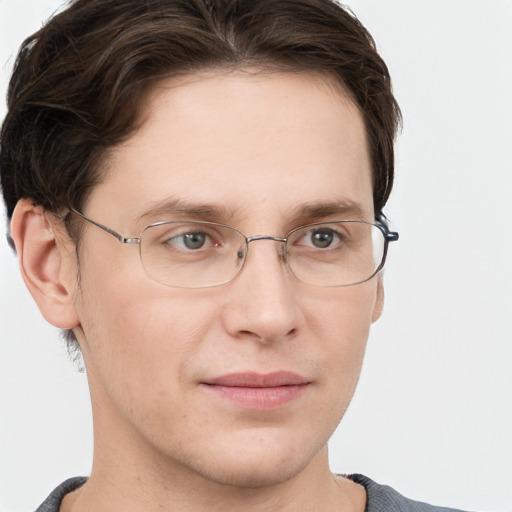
381 498
52 503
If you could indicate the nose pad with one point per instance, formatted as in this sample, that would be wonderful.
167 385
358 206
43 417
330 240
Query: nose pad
281 241
283 254
241 256
281 251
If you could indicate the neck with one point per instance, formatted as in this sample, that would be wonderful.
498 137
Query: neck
130 474
335 494
120 481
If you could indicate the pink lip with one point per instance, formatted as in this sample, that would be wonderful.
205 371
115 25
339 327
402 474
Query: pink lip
256 391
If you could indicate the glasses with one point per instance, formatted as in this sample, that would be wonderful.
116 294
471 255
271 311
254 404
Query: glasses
192 254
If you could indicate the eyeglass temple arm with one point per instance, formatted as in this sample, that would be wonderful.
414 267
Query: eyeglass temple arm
383 221
380 219
123 239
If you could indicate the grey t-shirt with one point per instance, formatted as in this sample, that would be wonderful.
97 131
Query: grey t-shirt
380 498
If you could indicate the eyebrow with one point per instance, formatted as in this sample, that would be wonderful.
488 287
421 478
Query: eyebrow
342 209
190 210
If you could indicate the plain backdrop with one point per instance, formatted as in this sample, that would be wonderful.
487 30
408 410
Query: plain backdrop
433 412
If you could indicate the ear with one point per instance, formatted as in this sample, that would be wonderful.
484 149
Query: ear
47 262
379 300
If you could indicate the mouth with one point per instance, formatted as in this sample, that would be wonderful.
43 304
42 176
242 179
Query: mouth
256 391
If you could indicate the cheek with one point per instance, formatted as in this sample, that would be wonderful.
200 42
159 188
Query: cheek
140 349
341 325
139 333
344 315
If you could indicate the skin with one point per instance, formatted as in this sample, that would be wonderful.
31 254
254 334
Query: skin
259 147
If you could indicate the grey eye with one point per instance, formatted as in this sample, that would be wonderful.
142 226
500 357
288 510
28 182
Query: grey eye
193 240
322 238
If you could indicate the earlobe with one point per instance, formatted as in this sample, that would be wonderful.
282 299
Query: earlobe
379 301
44 261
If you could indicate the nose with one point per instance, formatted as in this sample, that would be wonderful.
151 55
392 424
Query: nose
262 298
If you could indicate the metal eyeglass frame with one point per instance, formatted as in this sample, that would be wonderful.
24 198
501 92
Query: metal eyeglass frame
381 222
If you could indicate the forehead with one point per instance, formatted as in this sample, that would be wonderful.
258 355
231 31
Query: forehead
247 143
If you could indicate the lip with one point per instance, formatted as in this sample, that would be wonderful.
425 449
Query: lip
257 391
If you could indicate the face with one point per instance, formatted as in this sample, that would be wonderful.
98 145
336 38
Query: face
171 369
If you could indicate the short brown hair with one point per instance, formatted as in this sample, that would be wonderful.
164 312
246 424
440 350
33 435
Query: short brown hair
79 81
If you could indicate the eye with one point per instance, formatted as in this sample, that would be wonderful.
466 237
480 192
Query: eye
192 241
320 238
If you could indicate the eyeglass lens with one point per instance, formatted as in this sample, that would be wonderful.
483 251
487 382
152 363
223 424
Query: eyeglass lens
201 254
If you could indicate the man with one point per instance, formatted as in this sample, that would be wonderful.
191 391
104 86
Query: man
246 149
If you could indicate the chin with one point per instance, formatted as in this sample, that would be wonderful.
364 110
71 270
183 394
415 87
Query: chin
251 474
258 462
